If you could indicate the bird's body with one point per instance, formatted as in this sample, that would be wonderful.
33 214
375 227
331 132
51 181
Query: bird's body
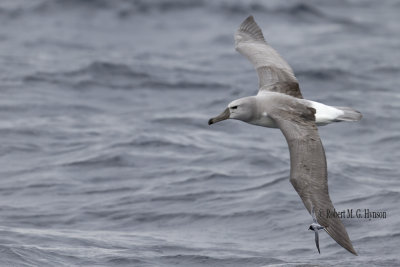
280 104
324 114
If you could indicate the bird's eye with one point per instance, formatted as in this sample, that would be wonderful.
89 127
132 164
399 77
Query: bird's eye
234 107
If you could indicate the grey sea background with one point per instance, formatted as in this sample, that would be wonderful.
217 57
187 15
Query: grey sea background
106 158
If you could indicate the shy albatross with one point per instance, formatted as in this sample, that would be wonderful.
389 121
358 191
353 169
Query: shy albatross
280 104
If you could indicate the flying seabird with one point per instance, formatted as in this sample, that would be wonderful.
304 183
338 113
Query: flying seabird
315 226
280 104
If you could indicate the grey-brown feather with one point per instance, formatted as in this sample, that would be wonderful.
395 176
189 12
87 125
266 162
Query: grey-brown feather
274 73
308 170
250 27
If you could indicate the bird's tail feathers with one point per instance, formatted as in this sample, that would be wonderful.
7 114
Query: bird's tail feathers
349 114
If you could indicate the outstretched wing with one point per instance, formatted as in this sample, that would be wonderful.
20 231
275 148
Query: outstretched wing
308 171
317 241
274 73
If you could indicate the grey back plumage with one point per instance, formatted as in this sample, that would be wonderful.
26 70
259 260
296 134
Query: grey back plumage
274 73
308 170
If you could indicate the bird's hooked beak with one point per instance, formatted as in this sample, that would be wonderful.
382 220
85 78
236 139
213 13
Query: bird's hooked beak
223 116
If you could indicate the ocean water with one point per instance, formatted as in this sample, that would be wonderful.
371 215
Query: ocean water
107 158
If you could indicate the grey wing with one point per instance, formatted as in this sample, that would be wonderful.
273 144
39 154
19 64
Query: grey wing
317 241
313 215
308 171
274 73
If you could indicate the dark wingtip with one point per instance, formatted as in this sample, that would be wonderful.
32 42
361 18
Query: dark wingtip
250 27
353 252
348 246
210 121
249 18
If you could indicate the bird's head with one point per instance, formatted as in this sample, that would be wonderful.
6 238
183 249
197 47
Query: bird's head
240 109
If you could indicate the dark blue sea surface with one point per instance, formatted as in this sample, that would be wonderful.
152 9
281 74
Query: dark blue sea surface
106 158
